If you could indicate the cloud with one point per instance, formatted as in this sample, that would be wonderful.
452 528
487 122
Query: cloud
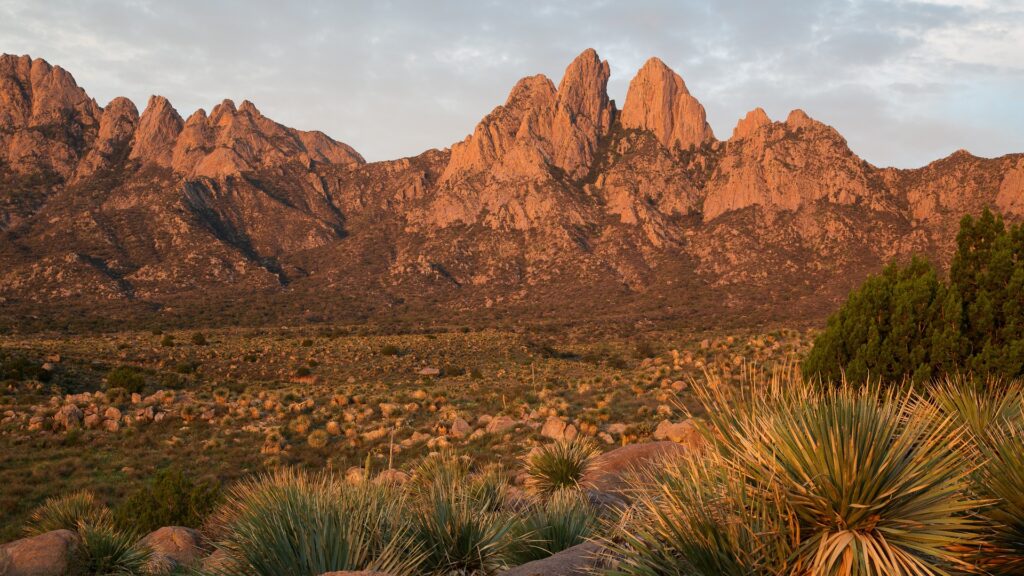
905 81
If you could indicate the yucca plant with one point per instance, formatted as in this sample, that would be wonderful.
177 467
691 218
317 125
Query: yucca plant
979 405
856 480
106 551
550 525
459 535
1002 480
703 517
68 512
560 465
293 522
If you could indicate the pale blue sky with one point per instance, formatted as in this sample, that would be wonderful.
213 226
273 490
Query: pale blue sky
905 81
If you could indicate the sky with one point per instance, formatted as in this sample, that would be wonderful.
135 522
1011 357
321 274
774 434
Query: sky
905 81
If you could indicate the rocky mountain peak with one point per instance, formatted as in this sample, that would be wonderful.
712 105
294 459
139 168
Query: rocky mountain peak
155 138
658 101
540 127
750 124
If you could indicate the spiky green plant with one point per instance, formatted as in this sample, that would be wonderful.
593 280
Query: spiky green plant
68 512
979 405
458 534
550 525
106 551
1002 480
293 522
702 517
559 465
856 480
443 469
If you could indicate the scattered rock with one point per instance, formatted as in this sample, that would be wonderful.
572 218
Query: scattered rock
174 547
44 555
580 560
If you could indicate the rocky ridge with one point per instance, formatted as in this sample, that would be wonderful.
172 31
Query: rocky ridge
557 205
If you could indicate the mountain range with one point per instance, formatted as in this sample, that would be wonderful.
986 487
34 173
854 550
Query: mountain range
559 206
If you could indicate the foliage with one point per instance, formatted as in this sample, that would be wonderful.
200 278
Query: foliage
906 322
554 524
106 551
130 378
168 498
294 522
459 534
67 512
1002 480
849 480
979 406
560 465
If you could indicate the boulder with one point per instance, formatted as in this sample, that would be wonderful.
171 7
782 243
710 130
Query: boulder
685 433
69 417
460 428
576 561
500 425
43 555
609 470
557 429
173 547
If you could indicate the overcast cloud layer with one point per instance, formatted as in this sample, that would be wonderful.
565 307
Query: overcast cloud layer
905 81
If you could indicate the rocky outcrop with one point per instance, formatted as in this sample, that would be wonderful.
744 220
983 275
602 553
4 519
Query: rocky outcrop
47 554
46 120
540 127
750 124
658 101
157 133
554 203
784 166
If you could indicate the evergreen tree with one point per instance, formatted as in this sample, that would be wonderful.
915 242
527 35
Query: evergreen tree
905 322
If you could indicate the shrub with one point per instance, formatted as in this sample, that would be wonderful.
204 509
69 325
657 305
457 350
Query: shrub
67 513
980 406
199 339
167 340
318 439
560 522
390 350
304 524
128 377
168 498
848 480
905 321
1002 481
104 550
559 465
459 535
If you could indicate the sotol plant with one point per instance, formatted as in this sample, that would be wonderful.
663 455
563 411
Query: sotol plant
293 522
560 465
68 512
844 481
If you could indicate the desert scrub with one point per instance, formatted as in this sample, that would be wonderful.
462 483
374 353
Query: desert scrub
318 439
67 512
104 550
305 524
551 525
1002 481
559 465
806 480
169 498
457 521
130 378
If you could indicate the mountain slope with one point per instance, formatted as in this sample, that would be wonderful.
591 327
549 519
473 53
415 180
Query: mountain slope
558 206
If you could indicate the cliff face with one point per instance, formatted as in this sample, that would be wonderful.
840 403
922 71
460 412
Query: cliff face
556 205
